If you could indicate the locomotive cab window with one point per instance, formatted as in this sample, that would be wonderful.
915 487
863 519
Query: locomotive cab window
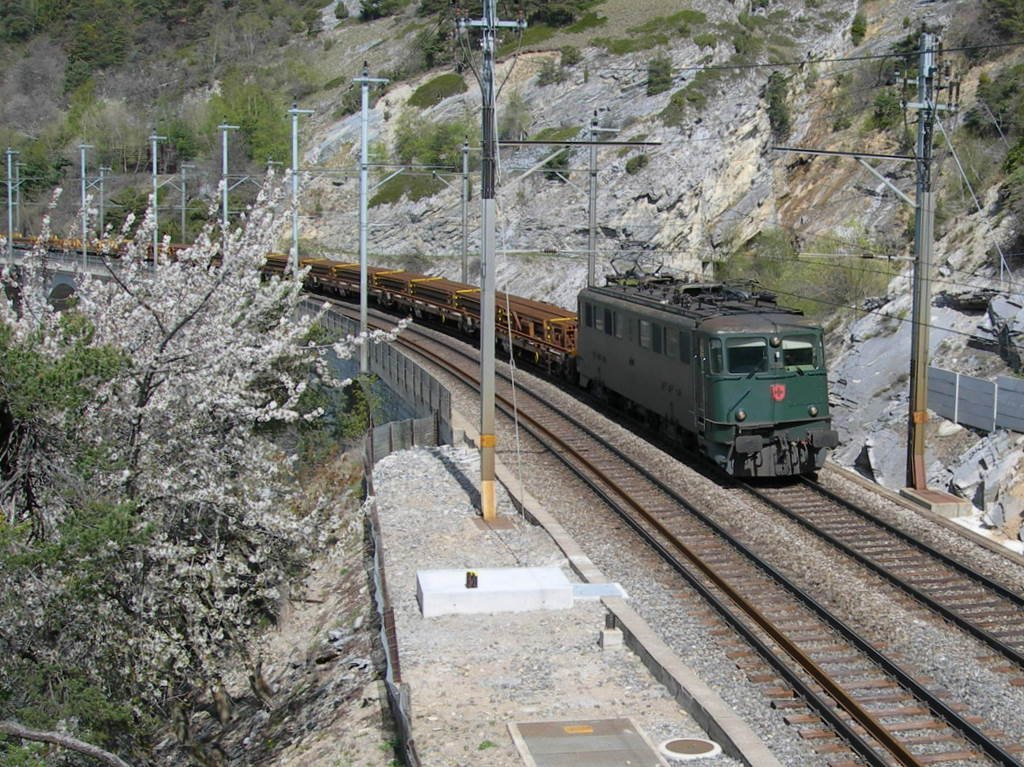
645 334
685 350
801 353
715 356
746 355
609 322
588 315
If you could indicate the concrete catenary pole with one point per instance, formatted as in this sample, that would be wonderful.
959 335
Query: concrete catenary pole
184 203
465 211
153 139
294 255
488 440
364 172
224 183
17 195
924 219
85 213
102 217
10 204
592 206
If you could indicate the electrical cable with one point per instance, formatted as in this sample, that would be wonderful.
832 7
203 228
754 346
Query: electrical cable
1002 258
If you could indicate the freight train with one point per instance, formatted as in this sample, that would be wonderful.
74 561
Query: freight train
722 370
725 371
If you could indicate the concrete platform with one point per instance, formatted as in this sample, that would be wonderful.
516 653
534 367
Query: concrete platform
496 590
938 502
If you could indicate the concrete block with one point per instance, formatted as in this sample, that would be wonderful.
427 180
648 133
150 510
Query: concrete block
949 506
498 590
611 639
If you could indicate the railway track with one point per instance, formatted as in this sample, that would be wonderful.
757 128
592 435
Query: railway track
865 708
978 604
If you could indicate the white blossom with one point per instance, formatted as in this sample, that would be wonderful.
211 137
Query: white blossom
211 355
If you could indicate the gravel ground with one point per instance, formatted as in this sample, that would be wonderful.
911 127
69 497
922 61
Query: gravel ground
914 636
472 675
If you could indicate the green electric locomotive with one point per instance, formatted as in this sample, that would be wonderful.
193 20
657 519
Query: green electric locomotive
727 371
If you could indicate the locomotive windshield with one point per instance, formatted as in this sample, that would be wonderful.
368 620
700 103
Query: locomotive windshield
801 353
746 355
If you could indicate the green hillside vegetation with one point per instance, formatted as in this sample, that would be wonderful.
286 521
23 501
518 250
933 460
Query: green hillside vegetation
437 90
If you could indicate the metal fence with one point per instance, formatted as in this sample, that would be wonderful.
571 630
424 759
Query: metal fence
428 398
420 390
980 404
382 441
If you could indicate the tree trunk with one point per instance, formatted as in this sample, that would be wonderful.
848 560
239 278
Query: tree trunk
15 730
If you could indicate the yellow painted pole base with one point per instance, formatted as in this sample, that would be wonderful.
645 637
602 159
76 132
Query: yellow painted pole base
488 504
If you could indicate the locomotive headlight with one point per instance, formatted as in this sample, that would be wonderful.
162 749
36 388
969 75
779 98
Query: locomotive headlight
775 341
813 410
741 415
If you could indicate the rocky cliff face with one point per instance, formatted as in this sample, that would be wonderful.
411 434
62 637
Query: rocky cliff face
711 184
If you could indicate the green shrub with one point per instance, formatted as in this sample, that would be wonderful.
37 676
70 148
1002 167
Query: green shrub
556 168
747 45
705 40
887 111
571 56
411 186
566 133
659 75
340 11
637 163
858 28
818 286
532 37
437 90
693 97
657 31
551 72
378 9
777 95
1007 16
421 141
587 21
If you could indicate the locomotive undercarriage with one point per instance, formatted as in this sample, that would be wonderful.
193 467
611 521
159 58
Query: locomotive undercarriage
777 453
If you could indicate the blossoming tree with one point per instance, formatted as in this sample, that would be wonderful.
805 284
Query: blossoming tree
147 522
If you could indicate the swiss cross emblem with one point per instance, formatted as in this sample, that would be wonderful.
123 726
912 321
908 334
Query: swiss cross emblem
778 392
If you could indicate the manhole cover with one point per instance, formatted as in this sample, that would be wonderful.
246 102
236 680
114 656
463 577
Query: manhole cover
684 749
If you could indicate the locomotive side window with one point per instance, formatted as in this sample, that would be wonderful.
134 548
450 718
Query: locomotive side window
645 334
746 355
715 355
671 342
800 353
685 350
588 315
598 318
658 337
609 322
618 325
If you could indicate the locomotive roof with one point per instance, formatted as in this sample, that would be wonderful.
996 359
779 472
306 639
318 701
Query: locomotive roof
696 300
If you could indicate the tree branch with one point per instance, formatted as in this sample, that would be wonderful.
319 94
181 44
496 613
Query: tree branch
15 730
